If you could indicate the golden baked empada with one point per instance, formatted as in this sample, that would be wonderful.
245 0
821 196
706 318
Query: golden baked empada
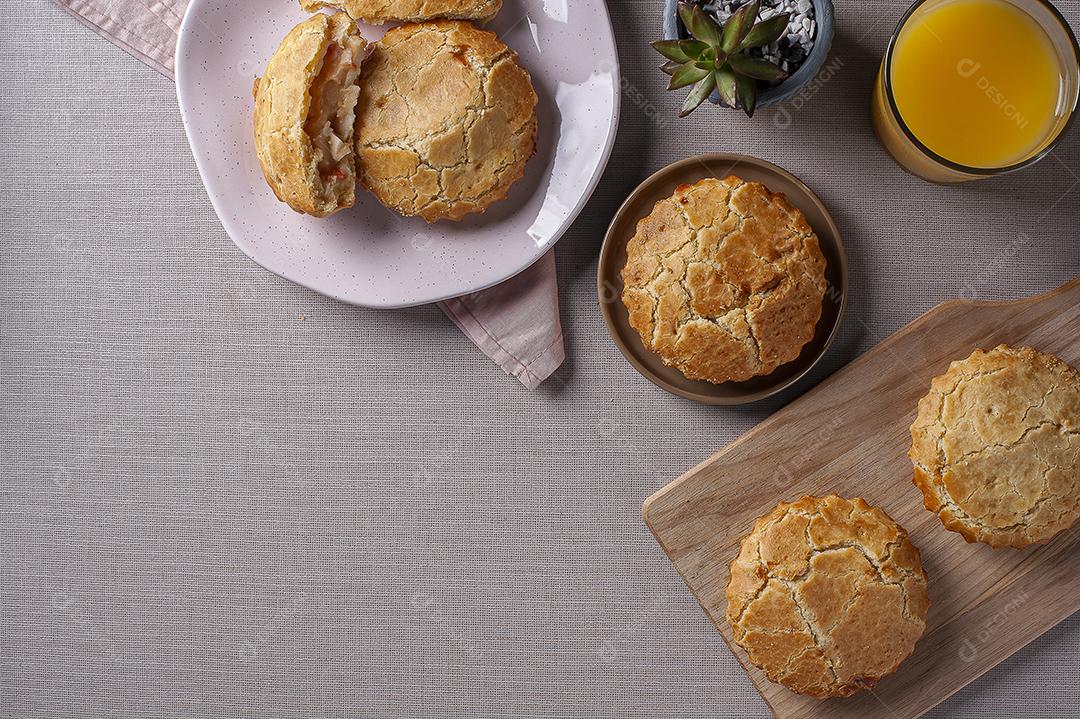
724 280
378 12
304 115
445 122
827 596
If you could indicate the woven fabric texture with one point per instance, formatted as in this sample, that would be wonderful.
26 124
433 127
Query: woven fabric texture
222 495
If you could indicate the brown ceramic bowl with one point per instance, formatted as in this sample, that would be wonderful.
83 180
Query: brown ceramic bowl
640 203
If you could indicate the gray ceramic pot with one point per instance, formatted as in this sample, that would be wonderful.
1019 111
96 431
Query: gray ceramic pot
823 14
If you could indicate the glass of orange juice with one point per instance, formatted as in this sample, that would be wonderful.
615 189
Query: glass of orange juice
974 88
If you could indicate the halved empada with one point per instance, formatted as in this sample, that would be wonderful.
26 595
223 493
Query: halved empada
378 12
304 115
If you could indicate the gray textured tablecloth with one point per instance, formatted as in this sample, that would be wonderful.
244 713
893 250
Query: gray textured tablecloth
224 495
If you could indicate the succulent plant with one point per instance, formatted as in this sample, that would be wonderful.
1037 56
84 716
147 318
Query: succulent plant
716 57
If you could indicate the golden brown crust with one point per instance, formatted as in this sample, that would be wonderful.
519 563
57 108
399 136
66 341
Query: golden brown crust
378 12
289 159
827 595
996 447
446 120
724 280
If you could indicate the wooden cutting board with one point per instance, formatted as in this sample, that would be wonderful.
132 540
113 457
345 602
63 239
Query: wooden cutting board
849 435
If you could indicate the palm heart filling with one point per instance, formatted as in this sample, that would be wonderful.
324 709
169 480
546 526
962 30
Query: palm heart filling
332 113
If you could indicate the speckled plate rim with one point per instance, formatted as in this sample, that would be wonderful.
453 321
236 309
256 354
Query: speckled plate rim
609 282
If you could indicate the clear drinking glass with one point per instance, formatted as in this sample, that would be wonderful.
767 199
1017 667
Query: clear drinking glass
917 158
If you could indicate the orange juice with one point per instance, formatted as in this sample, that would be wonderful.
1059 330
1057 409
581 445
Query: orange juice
978 82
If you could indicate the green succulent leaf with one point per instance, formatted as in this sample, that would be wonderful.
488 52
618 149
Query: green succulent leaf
713 57
670 67
695 48
756 67
766 31
686 12
700 25
746 89
688 74
698 94
725 85
739 25
670 49
680 50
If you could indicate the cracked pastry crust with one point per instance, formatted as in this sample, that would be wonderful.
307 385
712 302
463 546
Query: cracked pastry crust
724 280
304 115
446 120
996 447
827 595
378 12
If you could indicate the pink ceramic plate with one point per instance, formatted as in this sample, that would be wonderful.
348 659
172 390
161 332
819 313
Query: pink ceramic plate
367 255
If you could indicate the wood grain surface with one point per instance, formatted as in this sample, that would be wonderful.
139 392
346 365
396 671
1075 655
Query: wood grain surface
849 435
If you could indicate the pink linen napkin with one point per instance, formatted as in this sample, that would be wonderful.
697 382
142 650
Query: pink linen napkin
515 323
